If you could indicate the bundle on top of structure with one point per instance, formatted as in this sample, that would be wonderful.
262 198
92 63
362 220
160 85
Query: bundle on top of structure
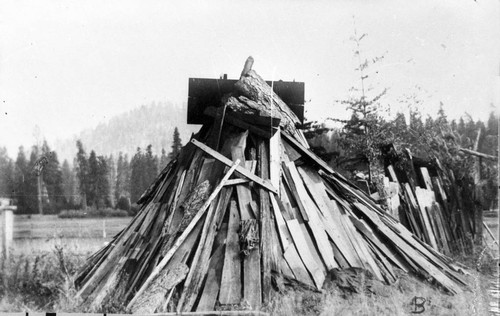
246 205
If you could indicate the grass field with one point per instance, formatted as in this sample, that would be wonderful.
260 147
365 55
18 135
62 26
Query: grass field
41 233
48 251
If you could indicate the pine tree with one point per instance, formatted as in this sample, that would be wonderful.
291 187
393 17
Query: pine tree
122 177
163 159
92 195
35 198
151 165
362 133
82 171
68 184
110 161
52 178
6 174
137 179
21 178
492 124
102 183
176 145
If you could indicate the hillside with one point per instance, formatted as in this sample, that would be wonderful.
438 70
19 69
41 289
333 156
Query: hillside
148 124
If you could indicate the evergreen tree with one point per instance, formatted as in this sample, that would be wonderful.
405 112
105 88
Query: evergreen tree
461 126
454 125
151 165
110 161
363 133
176 145
137 176
122 184
34 197
82 173
492 124
93 175
103 191
163 159
68 184
52 178
6 174
21 188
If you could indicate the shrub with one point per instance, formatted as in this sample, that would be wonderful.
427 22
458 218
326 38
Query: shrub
92 213
123 204
41 282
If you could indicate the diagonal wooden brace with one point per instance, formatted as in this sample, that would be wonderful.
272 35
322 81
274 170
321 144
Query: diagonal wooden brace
240 170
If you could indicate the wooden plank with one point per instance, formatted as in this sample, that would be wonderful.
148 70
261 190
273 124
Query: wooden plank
313 248
96 276
435 211
294 188
230 290
159 182
184 234
406 245
392 173
275 160
239 170
244 200
368 233
306 152
289 251
290 152
251 263
436 182
236 182
490 233
305 253
330 215
423 201
212 284
151 298
360 246
266 246
199 267
384 265
226 194
316 225
415 212
252 285
427 178
189 179
206 168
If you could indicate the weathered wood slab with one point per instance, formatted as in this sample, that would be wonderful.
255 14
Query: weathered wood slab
289 251
212 284
230 290
305 253
266 240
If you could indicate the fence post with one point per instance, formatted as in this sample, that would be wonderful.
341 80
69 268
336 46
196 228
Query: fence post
6 230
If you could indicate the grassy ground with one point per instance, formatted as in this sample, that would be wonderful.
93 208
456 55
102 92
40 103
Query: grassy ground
50 226
41 280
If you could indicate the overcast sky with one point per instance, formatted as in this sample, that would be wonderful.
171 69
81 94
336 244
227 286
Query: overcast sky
68 65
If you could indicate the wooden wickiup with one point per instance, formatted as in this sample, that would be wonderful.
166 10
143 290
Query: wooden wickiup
244 206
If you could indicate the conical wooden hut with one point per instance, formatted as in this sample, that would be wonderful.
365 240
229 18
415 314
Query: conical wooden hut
245 207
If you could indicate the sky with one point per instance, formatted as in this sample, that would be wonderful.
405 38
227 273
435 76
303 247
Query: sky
68 65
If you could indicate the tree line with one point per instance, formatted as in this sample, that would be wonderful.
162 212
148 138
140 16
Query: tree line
91 180
358 143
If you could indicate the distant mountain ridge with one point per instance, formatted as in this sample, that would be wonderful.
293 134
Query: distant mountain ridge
148 124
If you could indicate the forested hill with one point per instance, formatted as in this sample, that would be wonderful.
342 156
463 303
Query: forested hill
148 124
